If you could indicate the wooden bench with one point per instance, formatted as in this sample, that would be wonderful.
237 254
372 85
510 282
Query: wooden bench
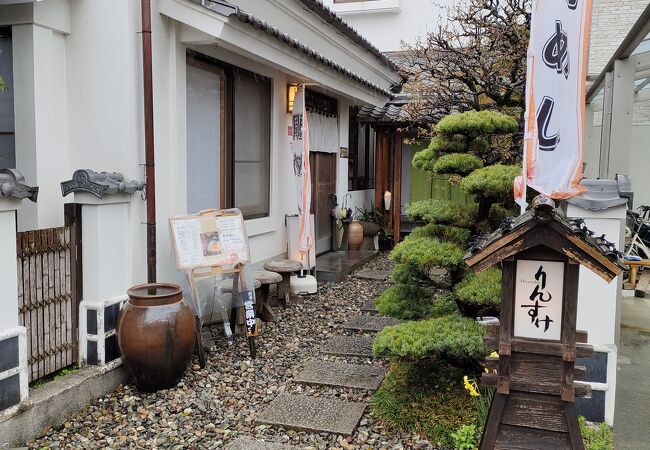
634 268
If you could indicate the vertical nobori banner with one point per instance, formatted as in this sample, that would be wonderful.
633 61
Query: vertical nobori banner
555 99
301 169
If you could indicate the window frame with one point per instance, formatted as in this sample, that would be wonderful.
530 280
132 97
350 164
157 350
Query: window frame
354 183
228 138
6 32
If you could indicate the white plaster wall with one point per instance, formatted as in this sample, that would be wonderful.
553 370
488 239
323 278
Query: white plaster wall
387 30
8 268
640 161
40 93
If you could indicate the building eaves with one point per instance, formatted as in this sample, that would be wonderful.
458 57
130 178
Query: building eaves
333 19
263 26
383 114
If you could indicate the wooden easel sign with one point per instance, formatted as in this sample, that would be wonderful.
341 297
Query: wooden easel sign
540 253
212 245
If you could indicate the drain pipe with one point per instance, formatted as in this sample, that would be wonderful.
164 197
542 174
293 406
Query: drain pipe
150 167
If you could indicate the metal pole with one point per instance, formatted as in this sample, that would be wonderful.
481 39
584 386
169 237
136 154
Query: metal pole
150 173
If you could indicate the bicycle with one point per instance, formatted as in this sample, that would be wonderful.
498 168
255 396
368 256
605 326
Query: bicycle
638 231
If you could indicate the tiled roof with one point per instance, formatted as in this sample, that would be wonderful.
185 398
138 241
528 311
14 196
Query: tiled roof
383 114
333 19
261 25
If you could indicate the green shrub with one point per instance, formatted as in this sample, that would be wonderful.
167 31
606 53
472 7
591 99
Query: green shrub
443 305
599 438
466 437
457 163
477 123
425 397
491 181
429 252
452 338
405 302
409 274
441 212
483 288
449 233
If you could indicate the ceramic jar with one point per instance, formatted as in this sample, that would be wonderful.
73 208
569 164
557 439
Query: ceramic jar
156 332
355 235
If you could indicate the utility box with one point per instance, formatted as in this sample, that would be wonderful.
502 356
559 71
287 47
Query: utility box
603 207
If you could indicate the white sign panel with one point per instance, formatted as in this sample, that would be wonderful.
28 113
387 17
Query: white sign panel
538 299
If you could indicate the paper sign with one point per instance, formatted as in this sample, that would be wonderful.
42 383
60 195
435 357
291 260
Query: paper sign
538 299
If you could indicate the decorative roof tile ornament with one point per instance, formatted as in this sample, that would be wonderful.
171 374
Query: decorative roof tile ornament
12 185
99 183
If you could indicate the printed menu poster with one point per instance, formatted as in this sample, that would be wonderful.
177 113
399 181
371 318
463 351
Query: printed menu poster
203 241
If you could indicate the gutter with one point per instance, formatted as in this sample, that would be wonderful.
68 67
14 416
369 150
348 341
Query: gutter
150 167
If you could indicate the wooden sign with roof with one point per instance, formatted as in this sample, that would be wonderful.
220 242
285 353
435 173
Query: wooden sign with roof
535 375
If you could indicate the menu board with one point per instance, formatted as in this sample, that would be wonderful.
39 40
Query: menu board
213 239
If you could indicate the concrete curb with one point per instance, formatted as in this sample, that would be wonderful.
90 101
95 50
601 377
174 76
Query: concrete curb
51 404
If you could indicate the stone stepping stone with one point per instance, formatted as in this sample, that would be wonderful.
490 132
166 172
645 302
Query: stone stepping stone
371 274
360 346
342 375
249 444
318 414
369 323
369 306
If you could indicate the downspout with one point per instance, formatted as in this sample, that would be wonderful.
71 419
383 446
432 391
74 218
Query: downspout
150 172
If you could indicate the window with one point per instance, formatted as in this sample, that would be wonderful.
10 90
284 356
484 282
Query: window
361 155
7 129
228 137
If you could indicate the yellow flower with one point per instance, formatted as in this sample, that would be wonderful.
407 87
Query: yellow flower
494 355
470 387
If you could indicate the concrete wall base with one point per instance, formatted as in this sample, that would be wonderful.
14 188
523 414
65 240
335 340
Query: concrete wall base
51 404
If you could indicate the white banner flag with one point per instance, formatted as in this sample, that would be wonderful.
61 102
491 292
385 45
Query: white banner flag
555 99
301 170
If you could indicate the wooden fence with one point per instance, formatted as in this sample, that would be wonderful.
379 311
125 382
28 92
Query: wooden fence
46 301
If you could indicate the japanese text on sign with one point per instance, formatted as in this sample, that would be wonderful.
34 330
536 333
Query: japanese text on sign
538 299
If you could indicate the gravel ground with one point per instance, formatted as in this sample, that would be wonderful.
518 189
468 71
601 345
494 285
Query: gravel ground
213 406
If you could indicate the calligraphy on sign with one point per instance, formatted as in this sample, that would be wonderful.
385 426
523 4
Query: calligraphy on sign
538 299
555 99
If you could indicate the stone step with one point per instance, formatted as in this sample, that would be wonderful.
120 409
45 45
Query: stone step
342 375
360 346
369 323
369 306
250 444
371 274
318 414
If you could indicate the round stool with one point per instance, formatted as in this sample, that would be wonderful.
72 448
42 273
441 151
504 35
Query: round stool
266 278
285 268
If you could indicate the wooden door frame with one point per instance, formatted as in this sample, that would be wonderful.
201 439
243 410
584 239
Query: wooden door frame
388 176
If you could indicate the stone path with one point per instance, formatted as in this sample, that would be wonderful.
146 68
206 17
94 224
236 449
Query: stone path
370 274
369 323
356 346
342 374
332 415
249 444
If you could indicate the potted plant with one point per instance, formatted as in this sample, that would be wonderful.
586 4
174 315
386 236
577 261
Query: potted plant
386 239
371 220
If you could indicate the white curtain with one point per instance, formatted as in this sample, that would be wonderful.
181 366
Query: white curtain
323 133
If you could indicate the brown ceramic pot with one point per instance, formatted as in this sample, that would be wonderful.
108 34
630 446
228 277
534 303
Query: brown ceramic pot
156 331
355 235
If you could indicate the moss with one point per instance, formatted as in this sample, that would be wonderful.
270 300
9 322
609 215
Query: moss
483 288
596 438
429 252
477 123
457 164
425 397
491 181
405 302
449 233
441 212
456 339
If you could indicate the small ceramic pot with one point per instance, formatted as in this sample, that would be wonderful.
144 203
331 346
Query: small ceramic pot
355 235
